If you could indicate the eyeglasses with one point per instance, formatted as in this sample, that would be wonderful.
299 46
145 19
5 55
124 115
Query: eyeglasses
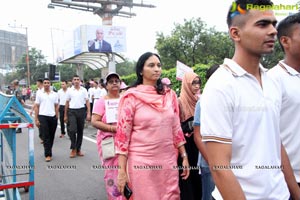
196 83
114 81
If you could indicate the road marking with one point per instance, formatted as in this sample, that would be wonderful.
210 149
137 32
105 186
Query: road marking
89 139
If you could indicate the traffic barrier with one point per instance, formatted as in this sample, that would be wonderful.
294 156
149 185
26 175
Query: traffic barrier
12 117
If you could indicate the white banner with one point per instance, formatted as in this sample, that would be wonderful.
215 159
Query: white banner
181 69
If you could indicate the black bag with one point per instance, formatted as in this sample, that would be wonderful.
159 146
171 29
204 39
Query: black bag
187 125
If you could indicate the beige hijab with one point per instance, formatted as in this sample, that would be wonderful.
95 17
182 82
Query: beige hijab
187 100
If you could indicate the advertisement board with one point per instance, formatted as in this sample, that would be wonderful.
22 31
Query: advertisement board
93 38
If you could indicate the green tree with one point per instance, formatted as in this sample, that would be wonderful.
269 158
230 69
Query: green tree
125 68
37 66
193 43
66 71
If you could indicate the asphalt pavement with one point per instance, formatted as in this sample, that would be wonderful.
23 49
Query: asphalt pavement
63 178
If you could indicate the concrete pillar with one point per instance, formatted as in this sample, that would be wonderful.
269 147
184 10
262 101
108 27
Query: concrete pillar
79 71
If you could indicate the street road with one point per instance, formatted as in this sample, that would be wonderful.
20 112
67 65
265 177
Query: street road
63 178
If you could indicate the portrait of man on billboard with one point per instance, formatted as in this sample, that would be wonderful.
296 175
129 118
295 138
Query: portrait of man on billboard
99 44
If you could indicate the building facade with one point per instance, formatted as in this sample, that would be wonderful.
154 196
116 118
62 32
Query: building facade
12 47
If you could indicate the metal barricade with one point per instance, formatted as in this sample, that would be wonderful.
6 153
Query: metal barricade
12 117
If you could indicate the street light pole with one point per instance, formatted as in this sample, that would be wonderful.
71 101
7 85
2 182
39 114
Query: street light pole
27 58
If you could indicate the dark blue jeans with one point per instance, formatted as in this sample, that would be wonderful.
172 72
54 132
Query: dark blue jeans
208 184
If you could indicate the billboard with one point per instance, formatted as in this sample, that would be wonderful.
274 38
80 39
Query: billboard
94 38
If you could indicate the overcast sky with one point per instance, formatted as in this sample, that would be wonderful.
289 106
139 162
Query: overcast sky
141 29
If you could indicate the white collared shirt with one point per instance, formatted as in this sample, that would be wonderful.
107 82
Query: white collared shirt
46 102
289 79
91 93
237 110
77 98
62 96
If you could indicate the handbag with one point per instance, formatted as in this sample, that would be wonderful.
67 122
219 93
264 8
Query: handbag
187 125
108 148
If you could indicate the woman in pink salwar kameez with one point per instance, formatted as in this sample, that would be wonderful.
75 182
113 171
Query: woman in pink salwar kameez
106 130
149 136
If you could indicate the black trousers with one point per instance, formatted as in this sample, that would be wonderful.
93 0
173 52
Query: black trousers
190 189
76 118
91 108
48 127
61 119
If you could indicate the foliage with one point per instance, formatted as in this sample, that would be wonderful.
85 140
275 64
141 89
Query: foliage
37 64
67 71
270 60
125 68
57 85
193 43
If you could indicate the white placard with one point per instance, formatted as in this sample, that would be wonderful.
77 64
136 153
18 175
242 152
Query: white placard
111 110
181 69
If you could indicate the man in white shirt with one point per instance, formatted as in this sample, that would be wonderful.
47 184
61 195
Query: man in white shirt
75 114
102 86
91 93
62 95
46 115
40 87
96 93
240 108
287 74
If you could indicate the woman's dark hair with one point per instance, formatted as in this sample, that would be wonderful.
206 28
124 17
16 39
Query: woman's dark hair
211 70
139 68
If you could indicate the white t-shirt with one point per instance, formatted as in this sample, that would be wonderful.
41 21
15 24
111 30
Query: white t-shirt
236 110
97 93
103 92
46 102
77 98
62 95
289 79
90 93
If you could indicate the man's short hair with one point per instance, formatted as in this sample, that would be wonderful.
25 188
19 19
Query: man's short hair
285 26
40 80
239 8
46 79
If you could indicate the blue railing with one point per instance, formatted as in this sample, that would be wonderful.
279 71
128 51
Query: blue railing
13 116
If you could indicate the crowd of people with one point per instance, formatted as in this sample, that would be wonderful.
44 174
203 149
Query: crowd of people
239 139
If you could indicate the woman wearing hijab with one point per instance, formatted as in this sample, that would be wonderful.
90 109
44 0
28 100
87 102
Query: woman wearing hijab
149 137
190 189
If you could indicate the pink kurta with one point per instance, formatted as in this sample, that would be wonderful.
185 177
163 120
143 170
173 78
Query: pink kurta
111 173
149 133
